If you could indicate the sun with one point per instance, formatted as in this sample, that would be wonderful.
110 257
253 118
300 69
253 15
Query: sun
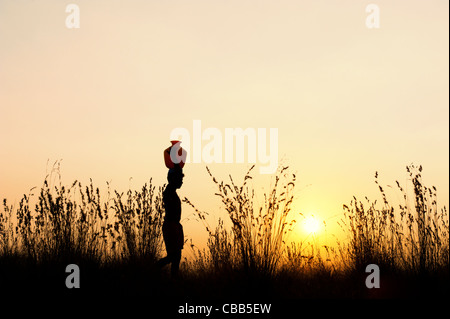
311 225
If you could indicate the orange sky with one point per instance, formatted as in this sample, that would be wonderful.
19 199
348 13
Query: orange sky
347 100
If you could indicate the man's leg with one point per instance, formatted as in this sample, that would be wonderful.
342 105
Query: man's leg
175 258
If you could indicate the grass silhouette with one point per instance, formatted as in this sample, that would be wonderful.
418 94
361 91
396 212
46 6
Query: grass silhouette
116 241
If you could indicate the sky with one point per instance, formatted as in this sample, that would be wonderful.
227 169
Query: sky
347 100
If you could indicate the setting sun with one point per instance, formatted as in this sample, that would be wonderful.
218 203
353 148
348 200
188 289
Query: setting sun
311 225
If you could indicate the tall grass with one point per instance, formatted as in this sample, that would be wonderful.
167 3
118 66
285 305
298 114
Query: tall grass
256 241
76 224
138 222
412 237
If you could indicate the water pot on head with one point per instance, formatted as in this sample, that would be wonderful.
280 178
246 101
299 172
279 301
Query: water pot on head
175 155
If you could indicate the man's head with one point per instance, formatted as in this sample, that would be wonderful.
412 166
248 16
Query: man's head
175 176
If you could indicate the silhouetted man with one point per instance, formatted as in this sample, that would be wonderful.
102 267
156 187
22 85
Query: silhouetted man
172 229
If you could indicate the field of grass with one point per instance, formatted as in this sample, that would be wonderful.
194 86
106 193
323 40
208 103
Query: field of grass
116 241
